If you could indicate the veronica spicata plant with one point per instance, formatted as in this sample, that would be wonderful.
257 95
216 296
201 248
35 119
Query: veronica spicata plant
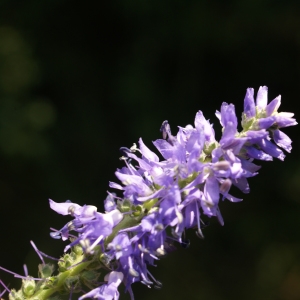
158 200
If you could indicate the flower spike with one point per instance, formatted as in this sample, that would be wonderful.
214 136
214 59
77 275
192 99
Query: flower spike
157 200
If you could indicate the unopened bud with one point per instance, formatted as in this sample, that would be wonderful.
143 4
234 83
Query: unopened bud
28 287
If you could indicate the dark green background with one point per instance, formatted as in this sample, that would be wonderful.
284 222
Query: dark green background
80 79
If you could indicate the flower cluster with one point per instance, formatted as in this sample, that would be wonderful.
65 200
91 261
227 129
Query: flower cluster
161 198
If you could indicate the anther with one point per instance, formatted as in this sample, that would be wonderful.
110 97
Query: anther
223 165
165 129
179 217
55 235
143 249
71 210
134 148
71 226
134 273
125 150
85 244
158 285
204 223
160 251
159 227
225 186
118 248
199 233
146 284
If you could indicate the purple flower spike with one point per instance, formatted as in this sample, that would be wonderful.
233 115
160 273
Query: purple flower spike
160 197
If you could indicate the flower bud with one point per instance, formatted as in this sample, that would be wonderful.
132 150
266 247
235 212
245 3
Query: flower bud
46 270
28 287
16 295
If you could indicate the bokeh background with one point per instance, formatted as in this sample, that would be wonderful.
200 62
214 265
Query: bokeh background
78 80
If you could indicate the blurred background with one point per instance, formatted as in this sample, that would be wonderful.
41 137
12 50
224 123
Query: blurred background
78 80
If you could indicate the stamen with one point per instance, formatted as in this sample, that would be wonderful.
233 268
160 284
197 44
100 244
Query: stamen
157 287
146 284
71 225
85 243
4 291
165 129
204 223
143 249
55 235
6 288
97 241
51 257
134 148
160 251
114 196
71 292
129 289
71 210
179 217
17 276
125 150
25 270
133 272
158 284
198 231
10 272
37 251
219 216
146 280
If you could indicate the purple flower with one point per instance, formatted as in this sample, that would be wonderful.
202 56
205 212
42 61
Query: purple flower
249 105
108 291
227 115
261 124
262 98
120 246
282 140
73 209
92 226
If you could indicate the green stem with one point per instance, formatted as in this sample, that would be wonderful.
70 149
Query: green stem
80 264
61 278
